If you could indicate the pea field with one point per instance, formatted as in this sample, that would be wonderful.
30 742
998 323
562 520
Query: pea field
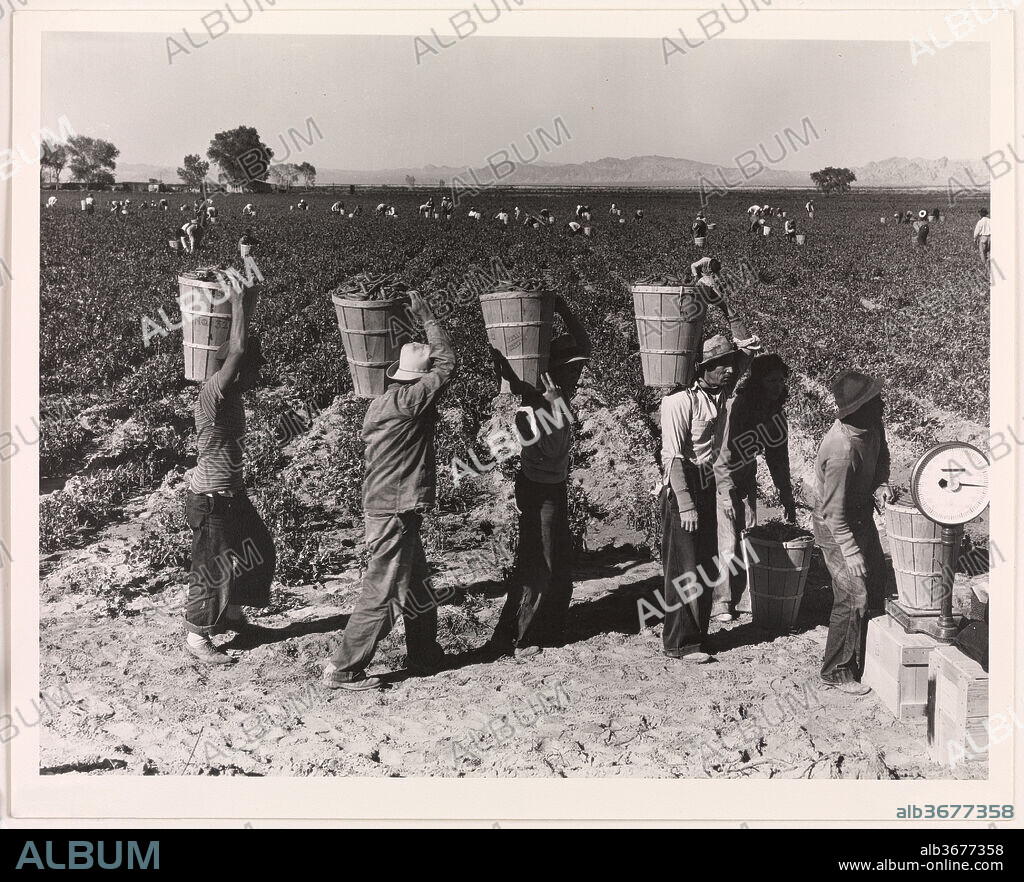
117 438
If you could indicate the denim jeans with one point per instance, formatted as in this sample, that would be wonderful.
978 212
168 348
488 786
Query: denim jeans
733 591
233 559
537 606
852 597
682 552
397 572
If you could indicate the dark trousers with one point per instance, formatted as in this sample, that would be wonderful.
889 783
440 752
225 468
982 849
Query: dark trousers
852 597
537 605
397 573
233 559
683 552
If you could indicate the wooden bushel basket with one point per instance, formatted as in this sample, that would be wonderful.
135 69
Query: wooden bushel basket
372 332
670 328
205 324
776 579
519 326
699 241
918 556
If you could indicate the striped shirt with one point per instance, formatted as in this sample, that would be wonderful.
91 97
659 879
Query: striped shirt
220 427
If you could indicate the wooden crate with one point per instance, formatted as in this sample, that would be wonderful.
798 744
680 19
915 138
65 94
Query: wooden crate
896 667
957 708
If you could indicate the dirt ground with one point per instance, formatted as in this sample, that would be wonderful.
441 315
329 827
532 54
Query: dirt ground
122 697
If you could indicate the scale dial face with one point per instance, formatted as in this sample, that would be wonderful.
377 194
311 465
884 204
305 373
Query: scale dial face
950 483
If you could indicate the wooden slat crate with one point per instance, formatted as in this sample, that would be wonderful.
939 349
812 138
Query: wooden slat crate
896 667
957 708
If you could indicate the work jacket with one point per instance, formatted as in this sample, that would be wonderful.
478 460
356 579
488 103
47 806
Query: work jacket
401 472
851 464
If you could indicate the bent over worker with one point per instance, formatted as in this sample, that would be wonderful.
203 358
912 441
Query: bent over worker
851 474
706 272
400 485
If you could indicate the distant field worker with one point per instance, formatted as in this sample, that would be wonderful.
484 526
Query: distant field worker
574 228
983 234
537 607
638 216
51 202
707 280
381 208
756 220
809 208
699 227
191 236
921 228
754 425
337 208
233 556
164 206
247 243
249 210
908 218
518 212
502 217
447 208
790 229
898 217
399 486
851 474
90 204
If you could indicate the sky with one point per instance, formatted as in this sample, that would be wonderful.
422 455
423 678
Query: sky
376 108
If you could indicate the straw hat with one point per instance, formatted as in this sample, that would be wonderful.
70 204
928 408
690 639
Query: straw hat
922 214
413 363
852 390
715 349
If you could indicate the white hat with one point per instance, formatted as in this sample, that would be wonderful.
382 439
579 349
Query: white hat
922 213
413 362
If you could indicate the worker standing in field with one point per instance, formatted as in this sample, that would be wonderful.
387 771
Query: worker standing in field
690 437
754 213
399 486
706 272
90 204
809 207
921 228
898 217
699 227
233 555
790 229
537 607
851 474
754 424
447 207
983 234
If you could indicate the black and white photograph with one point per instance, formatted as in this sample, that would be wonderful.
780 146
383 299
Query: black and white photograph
491 394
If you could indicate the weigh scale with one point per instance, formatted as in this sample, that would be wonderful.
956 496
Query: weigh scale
949 485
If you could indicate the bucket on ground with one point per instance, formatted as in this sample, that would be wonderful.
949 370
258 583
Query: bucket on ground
918 555
699 241
670 328
777 575
174 243
800 238
883 220
205 323
587 231
245 250
767 230
519 326
372 332
83 205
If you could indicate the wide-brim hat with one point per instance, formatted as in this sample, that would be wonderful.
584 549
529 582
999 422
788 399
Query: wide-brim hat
922 213
565 350
413 363
852 390
717 348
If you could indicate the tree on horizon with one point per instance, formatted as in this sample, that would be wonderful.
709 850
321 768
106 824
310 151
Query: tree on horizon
92 160
242 157
194 170
833 180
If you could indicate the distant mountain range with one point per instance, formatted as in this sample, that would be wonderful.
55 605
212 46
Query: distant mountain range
638 171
